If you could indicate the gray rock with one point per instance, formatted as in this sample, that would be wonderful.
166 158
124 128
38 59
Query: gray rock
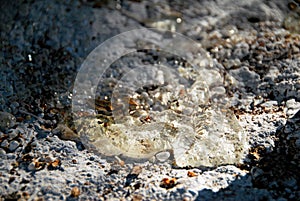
292 107
2 151
13 133
245 76
5 144
31 166
13 145
269 104
7 120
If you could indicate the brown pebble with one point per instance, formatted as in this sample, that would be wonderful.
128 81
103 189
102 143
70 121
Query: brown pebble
39 199
136 170
186 199
121 162
137 198
26 195
75 192
55 163
38 165
191 174
292 6
19 119
257 152
67 133
168 182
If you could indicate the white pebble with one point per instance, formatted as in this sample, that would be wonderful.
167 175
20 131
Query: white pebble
162 156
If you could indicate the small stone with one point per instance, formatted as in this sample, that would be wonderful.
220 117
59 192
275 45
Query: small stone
256 172
26 195
243 74
75 192
7 120
186 198
54 164
163 156
293 107
2 135
137 198
168 183
269 104
192 174
2 152
292 104
31 166
4 144
136 170
13 145
13 133
66 133
14 107
11 156
257 101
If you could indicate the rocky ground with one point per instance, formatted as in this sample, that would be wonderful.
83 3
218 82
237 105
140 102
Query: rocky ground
43 44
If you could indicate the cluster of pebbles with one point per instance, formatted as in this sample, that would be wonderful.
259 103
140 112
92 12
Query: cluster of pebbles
43 44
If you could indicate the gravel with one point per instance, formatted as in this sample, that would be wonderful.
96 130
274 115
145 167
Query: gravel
43 45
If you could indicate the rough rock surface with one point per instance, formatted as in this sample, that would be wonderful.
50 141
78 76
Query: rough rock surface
43 44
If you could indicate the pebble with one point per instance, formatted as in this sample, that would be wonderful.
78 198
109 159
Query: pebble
11 156
4 143
7 120
269 104
243 74
256 172
2 151
163 156
13 133
31 166
14 107
75 192
13 145
257 101
136 170
292 107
